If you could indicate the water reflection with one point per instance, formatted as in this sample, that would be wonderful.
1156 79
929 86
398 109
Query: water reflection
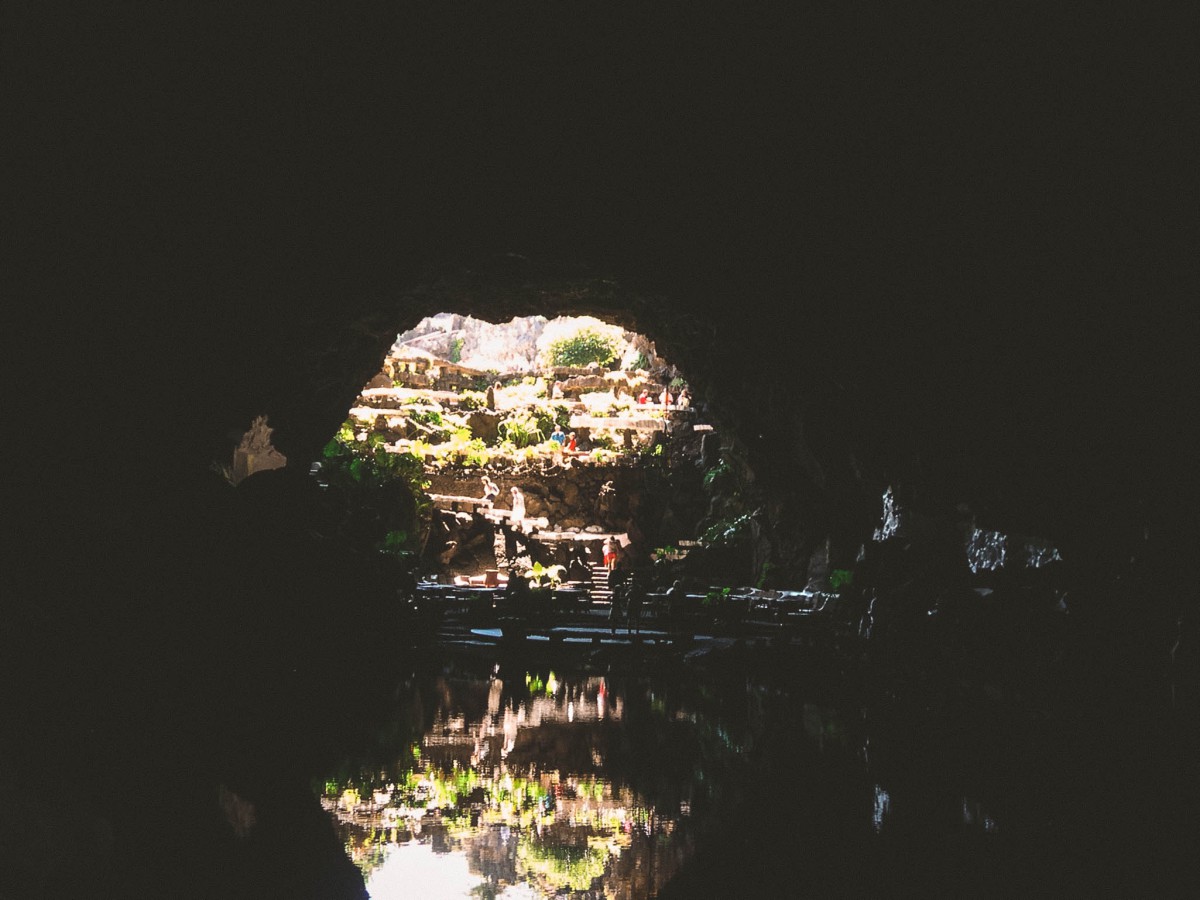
539 784
533 789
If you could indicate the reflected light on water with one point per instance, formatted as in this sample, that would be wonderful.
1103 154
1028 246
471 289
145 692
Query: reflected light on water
512 800
416 871
413 871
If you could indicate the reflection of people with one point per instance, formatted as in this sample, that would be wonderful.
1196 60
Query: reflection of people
491 490
518 505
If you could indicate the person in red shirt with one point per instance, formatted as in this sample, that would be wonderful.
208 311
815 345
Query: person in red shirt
571 445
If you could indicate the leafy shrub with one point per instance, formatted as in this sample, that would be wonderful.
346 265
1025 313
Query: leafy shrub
584 347
456 347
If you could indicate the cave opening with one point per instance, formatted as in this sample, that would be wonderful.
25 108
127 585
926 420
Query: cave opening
560 452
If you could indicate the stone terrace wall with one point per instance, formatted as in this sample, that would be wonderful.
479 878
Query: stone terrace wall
569 498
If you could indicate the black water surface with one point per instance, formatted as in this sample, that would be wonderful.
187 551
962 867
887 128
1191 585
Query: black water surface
630 780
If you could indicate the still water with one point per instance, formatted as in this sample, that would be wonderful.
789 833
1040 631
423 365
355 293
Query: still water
531 783
534 785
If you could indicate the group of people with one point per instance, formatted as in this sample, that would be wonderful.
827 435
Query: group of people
566 441
491 491
682 401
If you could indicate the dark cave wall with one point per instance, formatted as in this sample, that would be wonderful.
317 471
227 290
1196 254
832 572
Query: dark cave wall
825 417
955 253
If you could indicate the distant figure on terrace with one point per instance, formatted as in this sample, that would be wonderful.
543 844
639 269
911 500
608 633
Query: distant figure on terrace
683 401
643 397
571 444
491 490
518 506
491 395
557 435
665 397
556 390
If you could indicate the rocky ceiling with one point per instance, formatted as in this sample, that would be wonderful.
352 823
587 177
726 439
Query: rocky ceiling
885 262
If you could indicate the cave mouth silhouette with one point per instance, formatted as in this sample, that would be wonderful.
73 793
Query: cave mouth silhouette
564 442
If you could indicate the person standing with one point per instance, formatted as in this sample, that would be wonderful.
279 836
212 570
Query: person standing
665 397
518 506
557 435
610 554
571 444
491 490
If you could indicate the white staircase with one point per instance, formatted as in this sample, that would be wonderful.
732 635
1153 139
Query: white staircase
601 592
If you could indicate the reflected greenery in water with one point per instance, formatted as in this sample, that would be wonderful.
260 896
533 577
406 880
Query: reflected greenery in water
544 783
561 784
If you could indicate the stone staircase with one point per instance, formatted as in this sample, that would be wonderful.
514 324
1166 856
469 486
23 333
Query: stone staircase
601 592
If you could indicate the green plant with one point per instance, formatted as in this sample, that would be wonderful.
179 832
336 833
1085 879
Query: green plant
718 475
546 420
603 442
426 417
470 400
726 532
456 347
373 496
839 578
522 429
641 361
477 453
396 543
584 347
716 597
545 576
